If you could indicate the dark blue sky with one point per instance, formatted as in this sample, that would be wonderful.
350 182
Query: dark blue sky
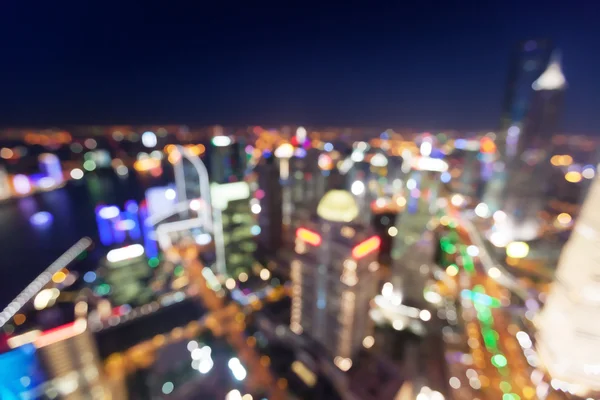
420 64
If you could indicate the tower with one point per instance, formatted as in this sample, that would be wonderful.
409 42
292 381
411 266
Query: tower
530 170
569 324
527 64
333 278
270 218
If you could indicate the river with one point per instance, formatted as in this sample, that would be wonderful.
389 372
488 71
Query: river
26 250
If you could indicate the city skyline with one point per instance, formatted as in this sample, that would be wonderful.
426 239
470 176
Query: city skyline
312 66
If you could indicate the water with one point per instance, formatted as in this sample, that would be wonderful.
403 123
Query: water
26 250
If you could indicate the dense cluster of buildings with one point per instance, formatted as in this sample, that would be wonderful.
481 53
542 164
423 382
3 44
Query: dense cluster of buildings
380 240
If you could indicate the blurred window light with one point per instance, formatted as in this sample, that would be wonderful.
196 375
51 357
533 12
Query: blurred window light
379 160
482 210
76 173
517 249
573 177
357 188
108 212
588 172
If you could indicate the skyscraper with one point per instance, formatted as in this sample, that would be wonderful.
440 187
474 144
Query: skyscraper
235 226
569 325
270 218
530 170
333 278
527 64
529 61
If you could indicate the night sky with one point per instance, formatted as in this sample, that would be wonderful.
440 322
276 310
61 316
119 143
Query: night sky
400 64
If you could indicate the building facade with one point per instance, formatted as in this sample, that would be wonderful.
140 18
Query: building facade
334 279
568 337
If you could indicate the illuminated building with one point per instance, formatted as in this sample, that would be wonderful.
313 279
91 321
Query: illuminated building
529 173
69 357
568 338
4 184
235 226
221 159
270 218
333 278
528 63
50 167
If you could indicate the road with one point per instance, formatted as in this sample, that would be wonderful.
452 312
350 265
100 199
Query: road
489 362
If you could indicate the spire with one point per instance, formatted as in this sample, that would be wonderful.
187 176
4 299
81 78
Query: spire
552 78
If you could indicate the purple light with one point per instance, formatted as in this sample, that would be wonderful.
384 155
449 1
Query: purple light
21 184
300 152
125 225
131 206
41 218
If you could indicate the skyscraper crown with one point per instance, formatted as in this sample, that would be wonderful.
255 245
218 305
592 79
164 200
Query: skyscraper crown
552 78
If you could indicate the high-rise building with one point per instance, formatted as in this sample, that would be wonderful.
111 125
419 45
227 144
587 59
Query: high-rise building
568 338
529 61
270 218
69 355
235 226
333 278
529 172
527 64
221 159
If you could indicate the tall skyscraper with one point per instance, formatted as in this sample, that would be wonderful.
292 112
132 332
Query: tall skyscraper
270 218
568 338
527 64
221 159
529 61
235 222
333 278
530 170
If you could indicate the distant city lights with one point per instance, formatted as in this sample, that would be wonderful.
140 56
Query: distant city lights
573 176
482 210
357 188
588 172
221 141
170 194
564 218
108 212
21 184
236 367
41 218
426 148
517 249
89 165
325 162
379 160
76 173
149 139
